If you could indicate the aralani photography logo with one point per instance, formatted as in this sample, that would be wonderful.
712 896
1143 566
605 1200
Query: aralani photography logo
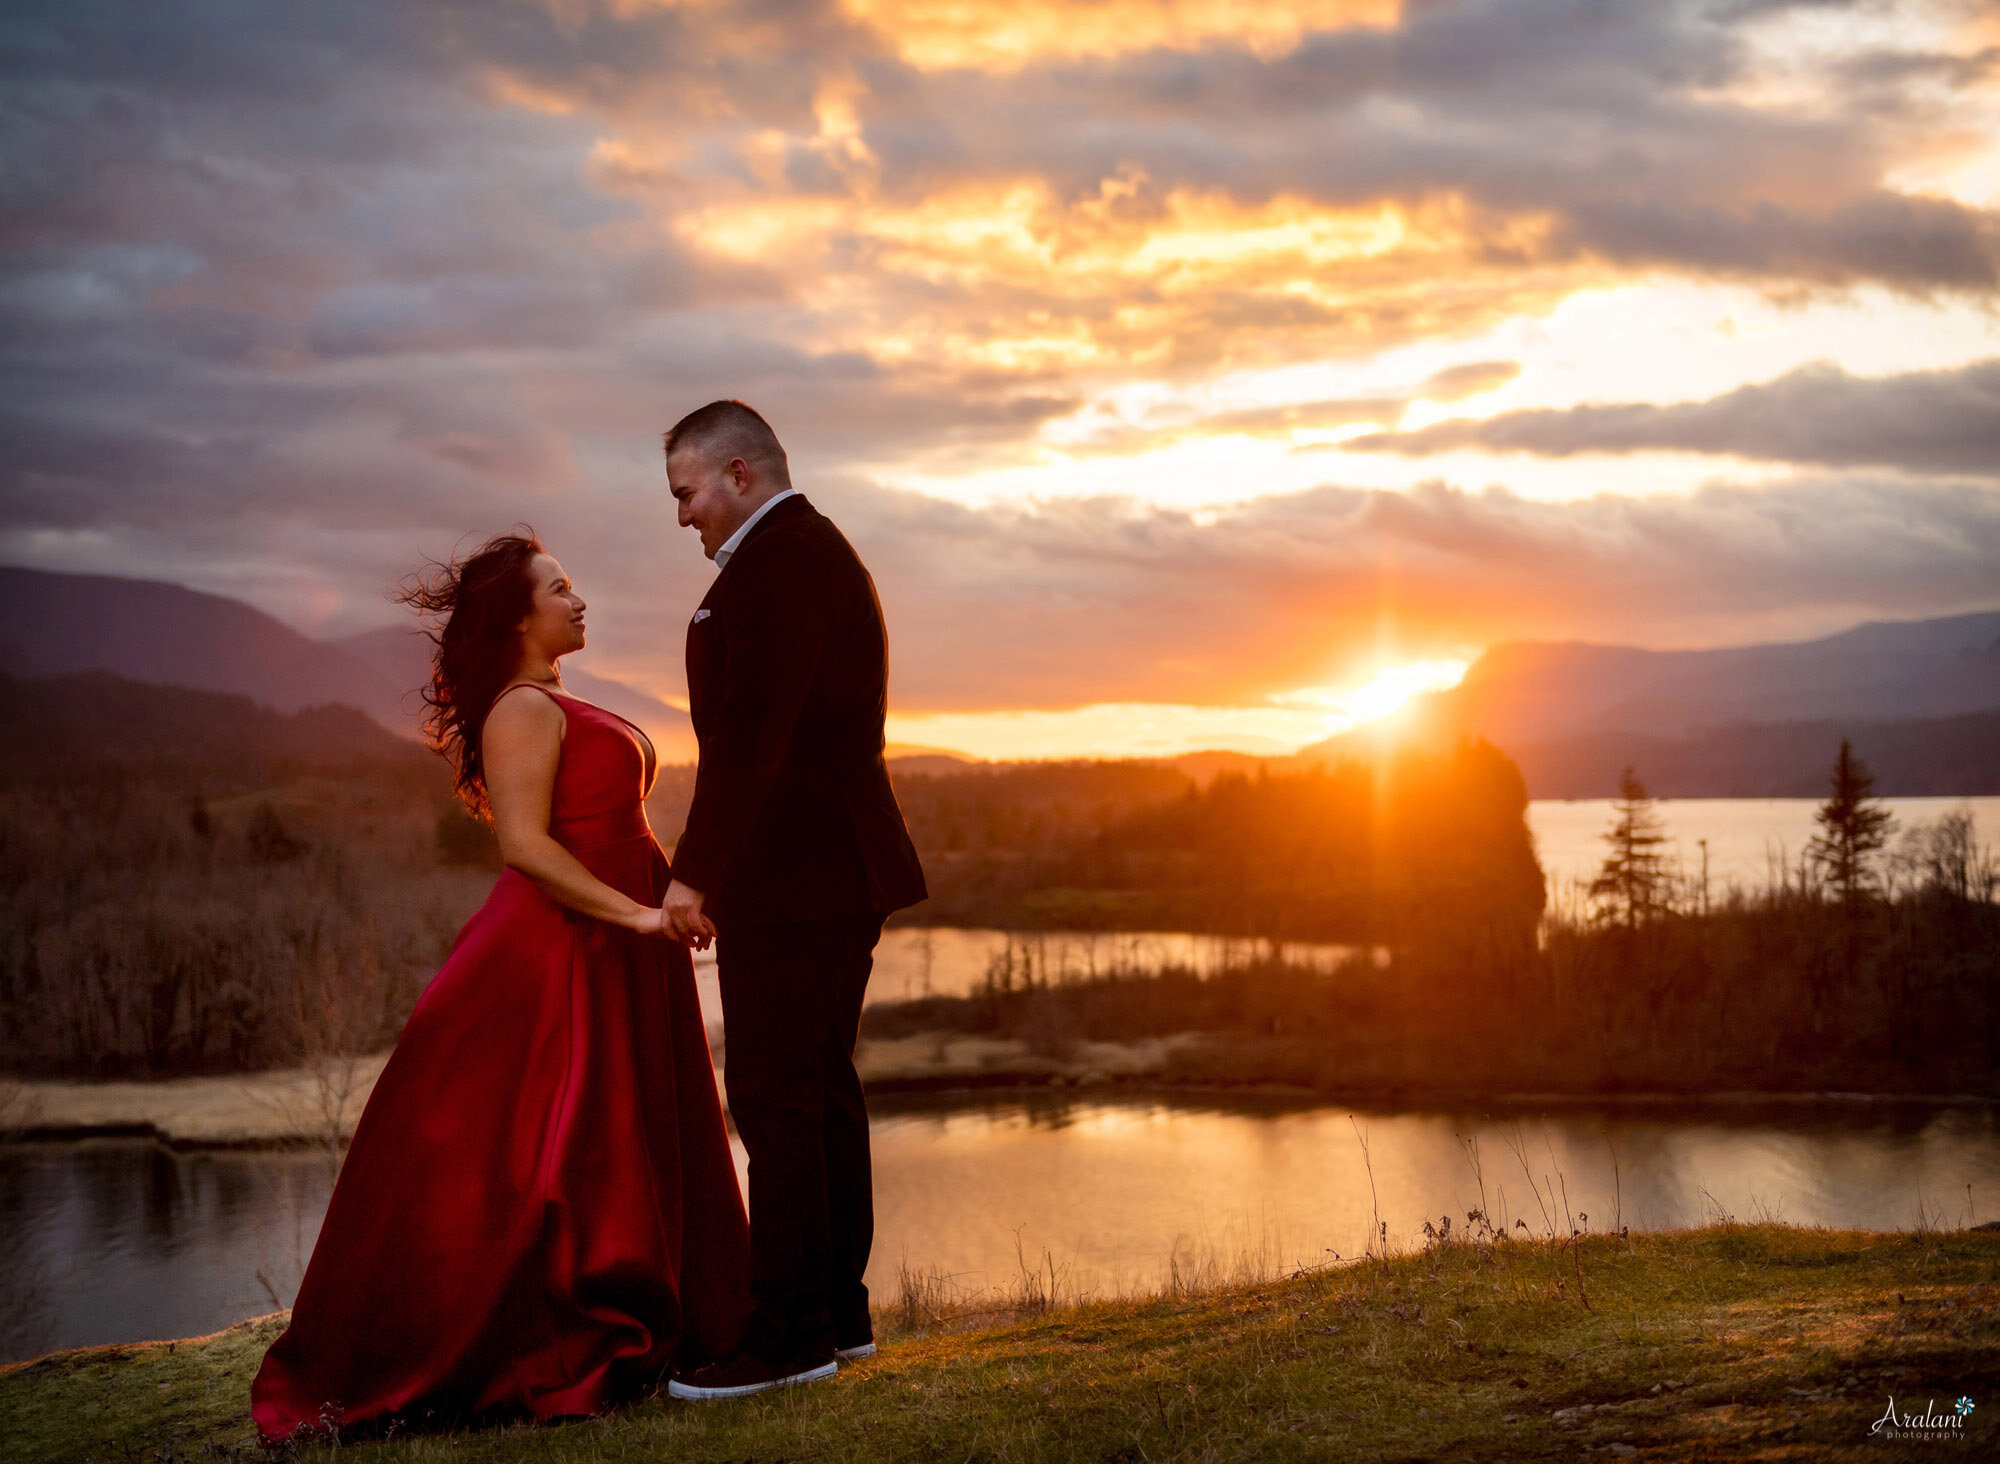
1930 1424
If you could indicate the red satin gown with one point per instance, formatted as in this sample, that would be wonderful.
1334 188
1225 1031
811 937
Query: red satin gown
538 1214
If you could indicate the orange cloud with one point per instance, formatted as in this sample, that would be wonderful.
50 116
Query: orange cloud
1117 192
1010 276
942 34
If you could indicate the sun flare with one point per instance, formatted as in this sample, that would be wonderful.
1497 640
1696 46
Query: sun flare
1386 693
1283 725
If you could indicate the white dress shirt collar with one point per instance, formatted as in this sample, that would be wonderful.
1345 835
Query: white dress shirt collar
735 540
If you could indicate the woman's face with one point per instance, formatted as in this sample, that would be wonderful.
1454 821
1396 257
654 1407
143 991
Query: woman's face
554 625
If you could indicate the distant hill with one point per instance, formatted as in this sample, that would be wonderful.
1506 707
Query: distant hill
402 660
932 764
1526 692
92 720
1936 756
1201 767
1723 722
1731 722
1206 767
913 757
151 631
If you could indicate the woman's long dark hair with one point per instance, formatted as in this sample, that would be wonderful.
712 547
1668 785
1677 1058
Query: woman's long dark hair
483 598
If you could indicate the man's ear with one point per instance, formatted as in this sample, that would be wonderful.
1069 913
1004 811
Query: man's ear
739 473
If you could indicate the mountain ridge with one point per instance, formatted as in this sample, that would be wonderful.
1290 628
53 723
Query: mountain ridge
157 631
1526 692
1721 721
167 634
402 657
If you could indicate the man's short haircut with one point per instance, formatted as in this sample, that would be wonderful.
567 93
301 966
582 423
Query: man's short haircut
724 430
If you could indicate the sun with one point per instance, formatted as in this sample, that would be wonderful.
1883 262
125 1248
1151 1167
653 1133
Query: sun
1384 694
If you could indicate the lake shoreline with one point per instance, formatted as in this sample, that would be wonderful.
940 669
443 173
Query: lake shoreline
291 1110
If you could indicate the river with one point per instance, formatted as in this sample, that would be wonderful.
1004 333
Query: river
119 1239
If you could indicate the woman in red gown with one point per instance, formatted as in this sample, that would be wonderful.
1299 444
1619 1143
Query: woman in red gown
538 1215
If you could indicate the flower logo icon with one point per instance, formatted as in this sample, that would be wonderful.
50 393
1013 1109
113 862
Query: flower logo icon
1964 1406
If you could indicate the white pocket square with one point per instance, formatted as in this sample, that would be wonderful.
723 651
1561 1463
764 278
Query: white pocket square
700 615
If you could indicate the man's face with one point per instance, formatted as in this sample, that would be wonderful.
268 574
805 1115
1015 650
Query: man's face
711 496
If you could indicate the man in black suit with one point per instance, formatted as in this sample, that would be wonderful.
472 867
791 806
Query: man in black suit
794 852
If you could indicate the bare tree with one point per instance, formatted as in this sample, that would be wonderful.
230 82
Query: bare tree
1944 858
338 1018
340 1026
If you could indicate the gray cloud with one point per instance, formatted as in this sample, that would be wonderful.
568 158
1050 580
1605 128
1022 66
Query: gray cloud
1102 600
289 295
1094 601
1618 124
1923 421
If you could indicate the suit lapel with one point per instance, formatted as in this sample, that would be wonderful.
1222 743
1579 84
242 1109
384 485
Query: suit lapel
704 649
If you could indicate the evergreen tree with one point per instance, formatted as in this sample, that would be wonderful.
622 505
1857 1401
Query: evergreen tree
1633 879
1853 826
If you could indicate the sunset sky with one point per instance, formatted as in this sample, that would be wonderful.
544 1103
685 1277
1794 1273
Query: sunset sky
1189 374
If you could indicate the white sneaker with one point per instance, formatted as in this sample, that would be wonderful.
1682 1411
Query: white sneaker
741 1376
855 1354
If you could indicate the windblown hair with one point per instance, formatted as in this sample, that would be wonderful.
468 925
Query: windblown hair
730 429
483 598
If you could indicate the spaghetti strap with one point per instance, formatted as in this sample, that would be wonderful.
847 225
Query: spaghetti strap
512 686
649 754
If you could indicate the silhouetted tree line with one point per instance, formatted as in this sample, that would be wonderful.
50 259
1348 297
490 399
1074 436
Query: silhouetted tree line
1873 964
1424 846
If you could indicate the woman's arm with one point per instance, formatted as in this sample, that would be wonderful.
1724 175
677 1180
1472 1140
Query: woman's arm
521 745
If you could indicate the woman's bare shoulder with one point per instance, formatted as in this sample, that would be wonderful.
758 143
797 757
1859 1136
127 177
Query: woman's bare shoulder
515 713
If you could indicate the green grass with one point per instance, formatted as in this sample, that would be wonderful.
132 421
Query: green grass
1727 1342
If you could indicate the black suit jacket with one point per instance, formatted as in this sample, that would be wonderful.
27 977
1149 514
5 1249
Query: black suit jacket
793 817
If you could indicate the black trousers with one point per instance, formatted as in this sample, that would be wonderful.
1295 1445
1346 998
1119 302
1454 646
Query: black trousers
791 1007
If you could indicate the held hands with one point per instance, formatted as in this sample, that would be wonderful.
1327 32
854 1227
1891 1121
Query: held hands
681 917
655 921
649 921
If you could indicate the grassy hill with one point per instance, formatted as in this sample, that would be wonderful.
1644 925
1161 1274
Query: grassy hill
1731 1341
